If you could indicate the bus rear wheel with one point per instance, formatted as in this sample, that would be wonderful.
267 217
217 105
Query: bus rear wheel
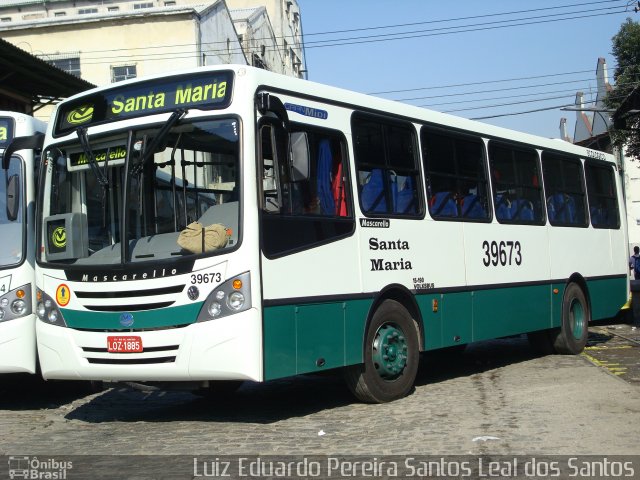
571 338
391 355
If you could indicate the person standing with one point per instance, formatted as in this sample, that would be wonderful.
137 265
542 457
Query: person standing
634 263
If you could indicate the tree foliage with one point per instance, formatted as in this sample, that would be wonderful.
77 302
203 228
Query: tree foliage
626 50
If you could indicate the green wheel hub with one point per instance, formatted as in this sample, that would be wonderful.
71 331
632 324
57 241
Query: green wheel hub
577 319
389 351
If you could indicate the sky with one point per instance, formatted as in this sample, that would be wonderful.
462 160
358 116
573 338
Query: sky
466 57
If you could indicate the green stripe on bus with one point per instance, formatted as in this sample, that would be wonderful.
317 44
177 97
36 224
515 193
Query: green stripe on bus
607 296
319 336
163 317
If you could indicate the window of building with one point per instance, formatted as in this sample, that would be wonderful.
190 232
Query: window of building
564 189
123 72
456 175
138 6
5 19
86 11
386 161
113 9
59 14
69 64
517 190
169 3
601 192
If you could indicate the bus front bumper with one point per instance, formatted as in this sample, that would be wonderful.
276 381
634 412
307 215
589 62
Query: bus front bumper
18 345
227 348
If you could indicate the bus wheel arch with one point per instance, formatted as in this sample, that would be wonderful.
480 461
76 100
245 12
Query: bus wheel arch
391 351
404 297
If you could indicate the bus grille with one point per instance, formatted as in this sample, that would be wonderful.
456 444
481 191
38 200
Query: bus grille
153 298
132 361
164 354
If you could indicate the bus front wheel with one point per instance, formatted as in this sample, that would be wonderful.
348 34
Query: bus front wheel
571 337
391 355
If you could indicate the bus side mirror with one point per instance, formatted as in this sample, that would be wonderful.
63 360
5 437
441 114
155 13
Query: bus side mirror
33 142
299 156
13 197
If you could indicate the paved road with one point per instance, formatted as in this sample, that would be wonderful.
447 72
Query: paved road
616 348
496 398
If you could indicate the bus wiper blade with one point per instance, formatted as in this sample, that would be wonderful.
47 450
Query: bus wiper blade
173 119
93 163
101 176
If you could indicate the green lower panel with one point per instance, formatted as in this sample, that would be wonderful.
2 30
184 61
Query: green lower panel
510 311
315 337
607 296
163 317
312 337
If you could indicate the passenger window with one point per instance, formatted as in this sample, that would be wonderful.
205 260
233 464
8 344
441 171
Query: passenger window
564 190
319 187
388 178
601 192
517 190
306 197
456 175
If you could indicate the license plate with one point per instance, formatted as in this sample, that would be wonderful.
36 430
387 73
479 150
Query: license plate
126 344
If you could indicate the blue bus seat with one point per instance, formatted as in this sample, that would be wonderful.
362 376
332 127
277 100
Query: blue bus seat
522 209
405 198
323 183
443 205
472 207
503 207
372 194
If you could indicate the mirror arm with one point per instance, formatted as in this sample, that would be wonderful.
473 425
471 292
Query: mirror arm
33 142
265 103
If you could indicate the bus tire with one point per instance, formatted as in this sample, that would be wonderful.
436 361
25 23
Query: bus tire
571 337
391 355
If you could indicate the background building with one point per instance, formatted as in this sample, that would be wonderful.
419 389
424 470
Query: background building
29 84
113 40
592 131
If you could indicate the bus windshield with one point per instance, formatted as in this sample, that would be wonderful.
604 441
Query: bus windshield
169 191
11 231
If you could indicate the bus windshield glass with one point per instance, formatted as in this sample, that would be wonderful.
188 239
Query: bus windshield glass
11 231
168 191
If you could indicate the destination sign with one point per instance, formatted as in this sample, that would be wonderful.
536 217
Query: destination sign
6 131
206 90
113 155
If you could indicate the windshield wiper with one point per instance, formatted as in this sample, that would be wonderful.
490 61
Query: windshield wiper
101 176
171 121
93 163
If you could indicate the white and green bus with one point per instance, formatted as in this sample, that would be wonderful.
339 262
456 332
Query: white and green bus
20 136
229 224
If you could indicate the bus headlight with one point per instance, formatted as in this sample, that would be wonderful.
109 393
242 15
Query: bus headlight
16 303
235 300
229 297
53 316
214 309
18 307
47 310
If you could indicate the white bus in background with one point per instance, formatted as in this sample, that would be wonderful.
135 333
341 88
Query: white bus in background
228 224
20 137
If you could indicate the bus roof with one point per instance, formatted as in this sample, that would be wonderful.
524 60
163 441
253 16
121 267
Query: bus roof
313 91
